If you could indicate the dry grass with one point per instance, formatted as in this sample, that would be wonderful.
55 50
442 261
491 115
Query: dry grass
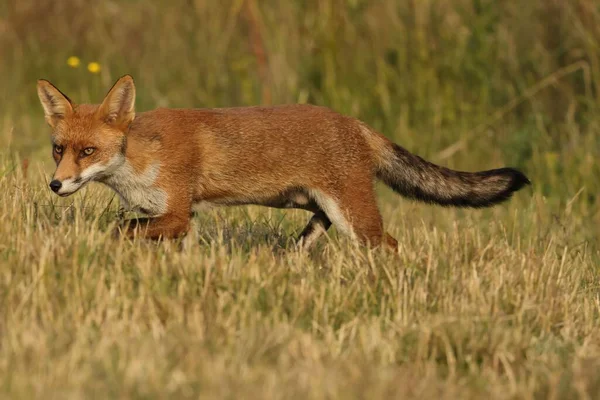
501 303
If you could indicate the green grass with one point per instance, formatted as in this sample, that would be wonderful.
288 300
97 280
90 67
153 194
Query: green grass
499 303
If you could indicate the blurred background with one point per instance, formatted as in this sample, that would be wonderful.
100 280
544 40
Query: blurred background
470 84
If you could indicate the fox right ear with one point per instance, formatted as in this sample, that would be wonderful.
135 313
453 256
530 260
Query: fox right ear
56 104
118 107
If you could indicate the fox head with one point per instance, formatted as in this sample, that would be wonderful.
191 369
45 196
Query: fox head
88 141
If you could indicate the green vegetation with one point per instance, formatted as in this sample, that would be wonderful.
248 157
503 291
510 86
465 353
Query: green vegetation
502 303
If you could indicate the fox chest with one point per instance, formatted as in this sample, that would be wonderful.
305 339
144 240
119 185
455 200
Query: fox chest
139 192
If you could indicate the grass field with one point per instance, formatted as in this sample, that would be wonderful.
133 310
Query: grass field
496 303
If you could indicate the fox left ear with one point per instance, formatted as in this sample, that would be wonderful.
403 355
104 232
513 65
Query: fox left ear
118 107
56 105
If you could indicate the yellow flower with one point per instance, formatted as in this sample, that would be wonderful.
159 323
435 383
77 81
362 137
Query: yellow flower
73 61
94 67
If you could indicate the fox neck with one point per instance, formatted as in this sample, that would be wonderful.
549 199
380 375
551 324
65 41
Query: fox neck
138 190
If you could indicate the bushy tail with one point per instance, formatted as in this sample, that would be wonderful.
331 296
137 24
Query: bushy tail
415 178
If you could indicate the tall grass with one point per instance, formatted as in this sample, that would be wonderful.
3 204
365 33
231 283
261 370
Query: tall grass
501 302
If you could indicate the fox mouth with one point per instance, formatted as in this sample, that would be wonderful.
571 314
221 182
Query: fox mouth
71 187
70 192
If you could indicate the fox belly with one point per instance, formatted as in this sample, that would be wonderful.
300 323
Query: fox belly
290 198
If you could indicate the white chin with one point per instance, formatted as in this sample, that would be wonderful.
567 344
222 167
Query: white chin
69 187
69 191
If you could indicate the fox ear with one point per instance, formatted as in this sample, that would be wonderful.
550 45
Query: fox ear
56 105
118 107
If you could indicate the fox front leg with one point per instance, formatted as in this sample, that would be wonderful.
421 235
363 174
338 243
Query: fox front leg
168 226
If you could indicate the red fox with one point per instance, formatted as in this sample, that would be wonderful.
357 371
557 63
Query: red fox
164 162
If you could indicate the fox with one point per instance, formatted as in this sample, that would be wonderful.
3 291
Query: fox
167 162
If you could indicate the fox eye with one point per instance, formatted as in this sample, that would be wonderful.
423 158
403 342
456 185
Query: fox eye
88 151
58 149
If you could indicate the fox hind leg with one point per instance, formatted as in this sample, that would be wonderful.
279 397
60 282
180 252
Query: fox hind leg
391 243
317 226
355 213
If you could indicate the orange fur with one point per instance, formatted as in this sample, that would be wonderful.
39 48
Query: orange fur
292 156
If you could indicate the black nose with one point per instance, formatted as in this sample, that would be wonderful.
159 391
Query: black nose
55 185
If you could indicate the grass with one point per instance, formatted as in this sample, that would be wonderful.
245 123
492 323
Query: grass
499 303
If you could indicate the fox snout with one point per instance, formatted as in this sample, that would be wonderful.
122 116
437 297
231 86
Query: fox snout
65 187
67 179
